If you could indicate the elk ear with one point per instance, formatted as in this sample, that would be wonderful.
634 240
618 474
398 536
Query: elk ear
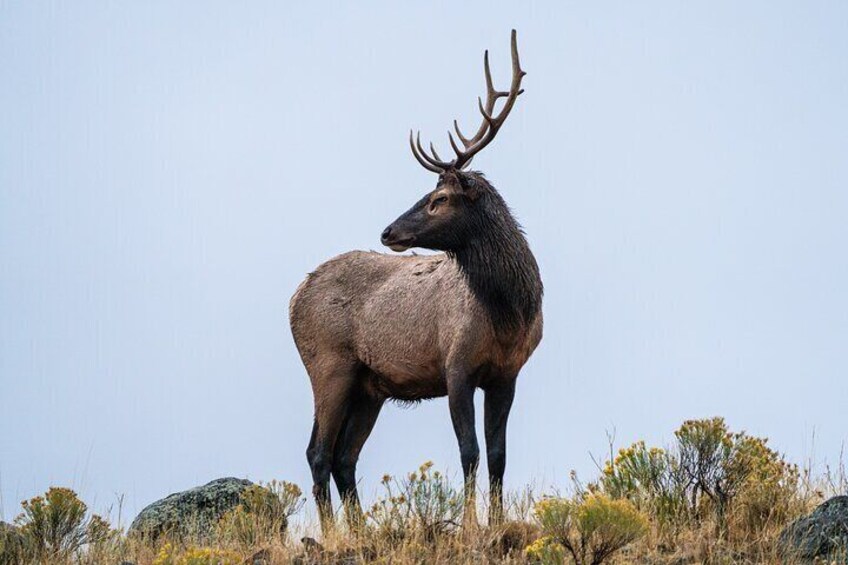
470 188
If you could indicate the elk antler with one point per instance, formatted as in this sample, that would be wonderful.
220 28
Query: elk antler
487 130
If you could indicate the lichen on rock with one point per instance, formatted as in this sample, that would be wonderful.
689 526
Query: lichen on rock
193 512
822 533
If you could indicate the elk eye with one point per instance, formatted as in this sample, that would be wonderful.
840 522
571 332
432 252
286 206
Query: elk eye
440 200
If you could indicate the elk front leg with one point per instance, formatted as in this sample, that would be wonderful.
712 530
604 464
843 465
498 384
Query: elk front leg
497 405
461 402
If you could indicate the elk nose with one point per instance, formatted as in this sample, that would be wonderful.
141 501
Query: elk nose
386 233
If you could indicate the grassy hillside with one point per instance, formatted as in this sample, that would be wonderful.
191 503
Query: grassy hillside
713 496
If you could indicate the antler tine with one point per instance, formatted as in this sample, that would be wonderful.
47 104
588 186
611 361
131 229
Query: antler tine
490 126
492 96
433 151
466 142
456 149
425 164
436 162
487 115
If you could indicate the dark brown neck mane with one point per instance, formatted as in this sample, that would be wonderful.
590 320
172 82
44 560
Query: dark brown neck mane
498 264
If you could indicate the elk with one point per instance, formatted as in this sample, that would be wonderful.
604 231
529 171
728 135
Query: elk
372 327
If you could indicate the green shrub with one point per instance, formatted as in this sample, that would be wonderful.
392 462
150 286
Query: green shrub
709 458
424 502
11 545
710 472
769 493
262 514
54 525
102 541
591 528
649 478
738 474
278 499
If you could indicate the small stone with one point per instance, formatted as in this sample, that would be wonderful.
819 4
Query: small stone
261 557
311 546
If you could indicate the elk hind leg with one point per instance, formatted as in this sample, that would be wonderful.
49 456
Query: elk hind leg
332 387
362 414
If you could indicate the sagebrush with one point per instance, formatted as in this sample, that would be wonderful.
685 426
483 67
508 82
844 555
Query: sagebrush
712 496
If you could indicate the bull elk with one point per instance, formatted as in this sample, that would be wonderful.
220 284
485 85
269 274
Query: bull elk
371 327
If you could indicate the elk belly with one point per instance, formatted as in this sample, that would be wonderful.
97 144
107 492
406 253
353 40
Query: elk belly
405 378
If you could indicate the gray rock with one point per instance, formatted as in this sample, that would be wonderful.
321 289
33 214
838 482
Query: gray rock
823 533
193 512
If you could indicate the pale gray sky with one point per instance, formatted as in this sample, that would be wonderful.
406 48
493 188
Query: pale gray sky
170 171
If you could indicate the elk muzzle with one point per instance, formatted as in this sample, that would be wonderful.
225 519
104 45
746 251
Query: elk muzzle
395 240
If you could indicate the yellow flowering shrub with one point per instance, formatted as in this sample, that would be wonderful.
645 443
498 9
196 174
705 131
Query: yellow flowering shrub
546 551
705 451
168 555
709 471
424 502
591 527
650 478
737 474
54 525
768 490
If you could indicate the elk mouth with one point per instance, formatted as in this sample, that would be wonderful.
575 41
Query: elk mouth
400 244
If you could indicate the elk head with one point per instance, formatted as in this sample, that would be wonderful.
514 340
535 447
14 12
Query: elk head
452 213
